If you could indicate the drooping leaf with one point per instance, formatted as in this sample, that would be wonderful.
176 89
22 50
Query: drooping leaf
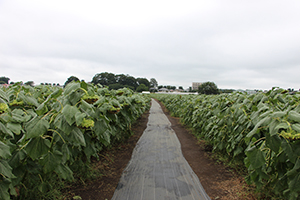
14 127
5 130
4 187
256 157
37 147
36 127
5 151
5 169
51 161
77 137
65 172
294 116
69 113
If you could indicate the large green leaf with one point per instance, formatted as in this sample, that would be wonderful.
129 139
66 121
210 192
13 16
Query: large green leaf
4 187
37 147
17 158
61 123
5 151
5 130
14 127
36 127
19 116
294 116
77 137
5 169
51 161
256 157
274 142
294 183
65 172
69 113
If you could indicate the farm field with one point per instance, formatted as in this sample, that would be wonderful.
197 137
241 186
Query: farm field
260 130
49 135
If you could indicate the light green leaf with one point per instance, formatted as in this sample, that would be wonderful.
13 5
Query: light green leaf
36 127
79 118
16 128
294 116
5 130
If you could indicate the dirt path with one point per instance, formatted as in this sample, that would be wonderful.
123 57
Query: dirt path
218 181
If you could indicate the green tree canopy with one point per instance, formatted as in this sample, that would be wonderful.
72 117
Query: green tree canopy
153 82
4 79
142 88
30 83
143 81
208 88
104 78
115 86
70 79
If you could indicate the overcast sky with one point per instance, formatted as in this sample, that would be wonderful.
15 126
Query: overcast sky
236 44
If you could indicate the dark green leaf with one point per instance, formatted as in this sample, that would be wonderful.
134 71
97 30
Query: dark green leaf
51 161
37 147
77 137
65 172
36 127
274 142
4 187
256 157
5 151
294 183
69 113
5 169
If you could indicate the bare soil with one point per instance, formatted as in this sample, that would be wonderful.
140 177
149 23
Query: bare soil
219 181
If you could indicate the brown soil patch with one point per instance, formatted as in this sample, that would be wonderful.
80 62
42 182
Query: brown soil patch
218 181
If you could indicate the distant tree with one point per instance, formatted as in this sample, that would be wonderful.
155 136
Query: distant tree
143 81
131 81
153 83
115 86
42 84
12 83
30 83
142 88
4 80
104 78
70 79
160 86
180 87
130 87
208 88
226 90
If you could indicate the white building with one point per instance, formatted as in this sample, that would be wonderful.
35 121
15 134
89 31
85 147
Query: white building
195 85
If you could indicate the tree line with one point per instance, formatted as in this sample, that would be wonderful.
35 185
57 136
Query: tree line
117 81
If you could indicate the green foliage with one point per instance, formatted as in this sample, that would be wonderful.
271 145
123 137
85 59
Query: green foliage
142 88
262 130
69 80
4 80
49 134
208 88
